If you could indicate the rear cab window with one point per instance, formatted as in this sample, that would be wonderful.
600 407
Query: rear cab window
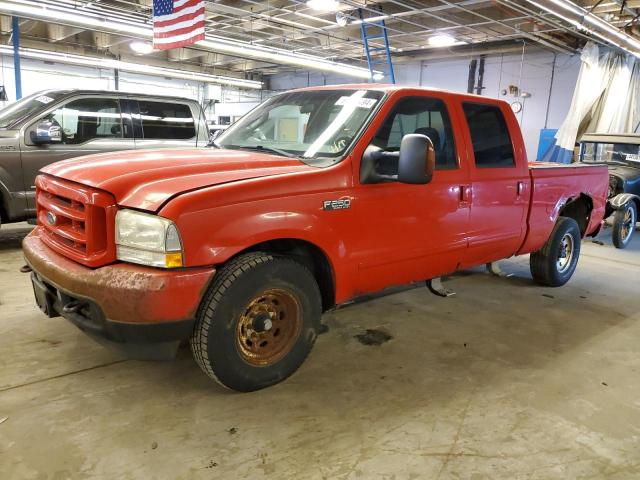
166 121
492 146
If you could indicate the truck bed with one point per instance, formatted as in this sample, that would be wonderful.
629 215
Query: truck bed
554 186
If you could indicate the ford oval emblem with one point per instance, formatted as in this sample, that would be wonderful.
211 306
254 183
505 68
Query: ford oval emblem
51 218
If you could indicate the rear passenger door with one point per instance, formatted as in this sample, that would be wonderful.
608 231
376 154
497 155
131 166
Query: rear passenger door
164 124
499 184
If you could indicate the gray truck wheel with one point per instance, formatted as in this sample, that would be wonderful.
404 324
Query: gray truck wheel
257 322
554 264
624 224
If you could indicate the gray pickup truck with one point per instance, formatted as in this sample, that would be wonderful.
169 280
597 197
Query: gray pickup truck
55 125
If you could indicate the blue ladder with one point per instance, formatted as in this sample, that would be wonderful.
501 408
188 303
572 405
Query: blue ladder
381 33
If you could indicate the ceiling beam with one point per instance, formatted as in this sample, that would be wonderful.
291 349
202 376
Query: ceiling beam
67 16
56 32
584 20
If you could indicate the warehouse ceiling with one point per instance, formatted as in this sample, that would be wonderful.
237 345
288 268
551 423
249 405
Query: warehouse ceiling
292 25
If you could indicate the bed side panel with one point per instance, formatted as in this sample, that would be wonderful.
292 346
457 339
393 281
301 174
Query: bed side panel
553 186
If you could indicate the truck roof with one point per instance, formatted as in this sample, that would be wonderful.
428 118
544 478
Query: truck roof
389 88
70 91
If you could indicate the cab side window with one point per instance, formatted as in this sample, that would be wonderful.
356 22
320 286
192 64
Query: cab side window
492 146
88 119
426 116
166 121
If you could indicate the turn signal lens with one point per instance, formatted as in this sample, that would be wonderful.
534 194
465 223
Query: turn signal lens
173 260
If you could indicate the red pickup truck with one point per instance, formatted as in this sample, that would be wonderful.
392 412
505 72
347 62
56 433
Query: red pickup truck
316 197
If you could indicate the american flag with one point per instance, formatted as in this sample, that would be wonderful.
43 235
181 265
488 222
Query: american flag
177 23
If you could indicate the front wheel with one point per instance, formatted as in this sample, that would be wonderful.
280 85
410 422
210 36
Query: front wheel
624 224
257 322
554 264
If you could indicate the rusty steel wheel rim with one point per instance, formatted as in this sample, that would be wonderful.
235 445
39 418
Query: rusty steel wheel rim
269 327
628 224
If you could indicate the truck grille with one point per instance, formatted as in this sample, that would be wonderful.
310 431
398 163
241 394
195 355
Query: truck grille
77 221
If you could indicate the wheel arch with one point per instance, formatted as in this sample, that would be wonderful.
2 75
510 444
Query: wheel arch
5 207
579 208
622 199
310 255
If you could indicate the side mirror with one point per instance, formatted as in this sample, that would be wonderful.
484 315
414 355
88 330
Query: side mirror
215 134
45 133
378 166
417 159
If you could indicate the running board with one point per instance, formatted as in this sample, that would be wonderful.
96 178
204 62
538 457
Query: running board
436 287
494 269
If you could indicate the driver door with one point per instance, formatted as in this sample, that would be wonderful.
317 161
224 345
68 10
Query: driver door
89 125
413 232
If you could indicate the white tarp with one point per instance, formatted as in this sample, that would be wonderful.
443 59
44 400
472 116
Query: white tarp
605 100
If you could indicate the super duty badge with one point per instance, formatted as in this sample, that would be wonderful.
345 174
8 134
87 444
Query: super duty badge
341 204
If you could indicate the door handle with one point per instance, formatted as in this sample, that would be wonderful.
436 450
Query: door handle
521 188
466 193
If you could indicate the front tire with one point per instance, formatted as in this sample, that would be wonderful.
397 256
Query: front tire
554 264
257 322
624 224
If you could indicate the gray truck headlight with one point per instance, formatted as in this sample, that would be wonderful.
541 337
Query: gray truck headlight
148 240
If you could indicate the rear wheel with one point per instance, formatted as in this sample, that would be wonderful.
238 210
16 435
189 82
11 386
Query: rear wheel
258 321
624 224
554 264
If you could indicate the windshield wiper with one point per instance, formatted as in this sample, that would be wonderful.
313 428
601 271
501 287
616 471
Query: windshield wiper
262 148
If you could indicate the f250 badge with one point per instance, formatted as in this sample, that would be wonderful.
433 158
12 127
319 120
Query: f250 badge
341 204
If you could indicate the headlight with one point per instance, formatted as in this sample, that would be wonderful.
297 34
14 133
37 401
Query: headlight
148 240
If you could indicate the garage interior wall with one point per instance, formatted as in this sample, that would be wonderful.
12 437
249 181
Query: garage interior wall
500 71
39 75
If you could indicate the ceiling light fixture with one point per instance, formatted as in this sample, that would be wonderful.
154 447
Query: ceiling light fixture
107 63
324 5
65 16
371 20
342 19
441 40
141 48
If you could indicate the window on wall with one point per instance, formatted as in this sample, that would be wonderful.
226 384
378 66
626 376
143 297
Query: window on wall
427 116
492 146
166 121
88 119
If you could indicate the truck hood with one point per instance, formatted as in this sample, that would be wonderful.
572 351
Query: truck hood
146 179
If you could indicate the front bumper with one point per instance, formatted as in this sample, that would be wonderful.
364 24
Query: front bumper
140 311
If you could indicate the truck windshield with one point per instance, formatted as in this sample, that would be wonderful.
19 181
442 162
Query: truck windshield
311 125
592 152
25 107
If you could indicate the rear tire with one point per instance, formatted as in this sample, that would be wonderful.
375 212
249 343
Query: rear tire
624 224
554 264
257 322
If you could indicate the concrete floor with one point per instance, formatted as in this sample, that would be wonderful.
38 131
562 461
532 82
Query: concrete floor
507 380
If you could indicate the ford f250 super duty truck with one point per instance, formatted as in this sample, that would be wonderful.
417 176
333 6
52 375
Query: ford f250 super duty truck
314 198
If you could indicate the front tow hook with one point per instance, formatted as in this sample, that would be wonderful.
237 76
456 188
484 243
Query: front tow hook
72 307
25 269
